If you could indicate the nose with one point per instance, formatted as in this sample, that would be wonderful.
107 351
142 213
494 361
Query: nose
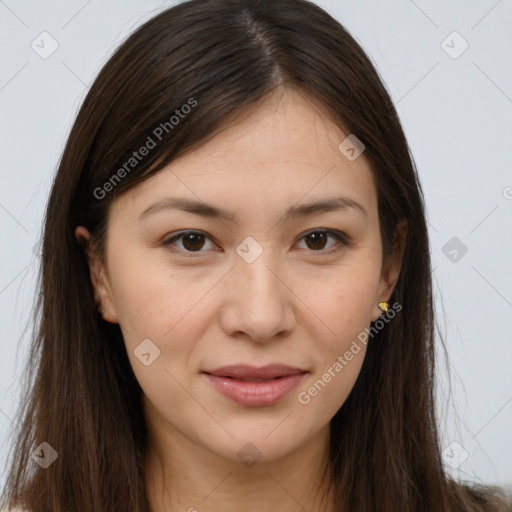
258 303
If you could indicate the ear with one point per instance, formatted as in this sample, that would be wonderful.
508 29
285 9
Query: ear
102 290
391 268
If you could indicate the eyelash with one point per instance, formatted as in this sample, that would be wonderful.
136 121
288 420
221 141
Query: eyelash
341 237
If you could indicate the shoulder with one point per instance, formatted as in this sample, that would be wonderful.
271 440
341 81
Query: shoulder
467 496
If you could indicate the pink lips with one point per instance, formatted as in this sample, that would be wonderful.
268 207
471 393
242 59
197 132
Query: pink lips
252 386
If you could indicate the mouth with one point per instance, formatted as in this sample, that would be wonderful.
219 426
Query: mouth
254 373
251 386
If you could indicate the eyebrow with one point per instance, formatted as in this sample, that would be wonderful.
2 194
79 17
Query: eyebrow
295 211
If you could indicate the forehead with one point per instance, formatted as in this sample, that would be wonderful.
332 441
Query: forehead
283 151
288 126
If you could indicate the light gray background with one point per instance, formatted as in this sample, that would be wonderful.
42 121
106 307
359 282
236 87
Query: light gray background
457 115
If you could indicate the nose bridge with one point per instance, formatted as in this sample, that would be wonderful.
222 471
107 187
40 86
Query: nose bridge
261 306
253 271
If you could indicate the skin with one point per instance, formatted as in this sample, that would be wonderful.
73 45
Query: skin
295 304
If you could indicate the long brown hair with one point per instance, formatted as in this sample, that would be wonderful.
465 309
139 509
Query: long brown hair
81 394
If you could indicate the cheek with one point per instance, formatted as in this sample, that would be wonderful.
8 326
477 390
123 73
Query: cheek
341 352
338 360
150 298
345 304
344 307
169 308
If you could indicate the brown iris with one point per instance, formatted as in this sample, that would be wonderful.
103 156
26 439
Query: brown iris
193 241
316 238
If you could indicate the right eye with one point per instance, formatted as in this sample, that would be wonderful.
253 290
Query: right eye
192 241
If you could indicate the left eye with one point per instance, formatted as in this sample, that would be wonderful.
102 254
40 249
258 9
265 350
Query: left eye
194 241
319 237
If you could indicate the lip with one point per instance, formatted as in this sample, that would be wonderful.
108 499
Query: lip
253 386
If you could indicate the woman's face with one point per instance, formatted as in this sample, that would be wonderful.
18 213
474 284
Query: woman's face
255 286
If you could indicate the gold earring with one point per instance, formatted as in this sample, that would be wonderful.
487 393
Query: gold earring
384 306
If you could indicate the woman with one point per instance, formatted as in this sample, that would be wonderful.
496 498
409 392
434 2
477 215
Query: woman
235 306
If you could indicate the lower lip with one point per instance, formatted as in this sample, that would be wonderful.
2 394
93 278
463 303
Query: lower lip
255 394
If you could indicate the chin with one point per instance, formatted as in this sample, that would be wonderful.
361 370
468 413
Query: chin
262 441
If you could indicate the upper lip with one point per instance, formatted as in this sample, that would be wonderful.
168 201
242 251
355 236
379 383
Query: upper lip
243 371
